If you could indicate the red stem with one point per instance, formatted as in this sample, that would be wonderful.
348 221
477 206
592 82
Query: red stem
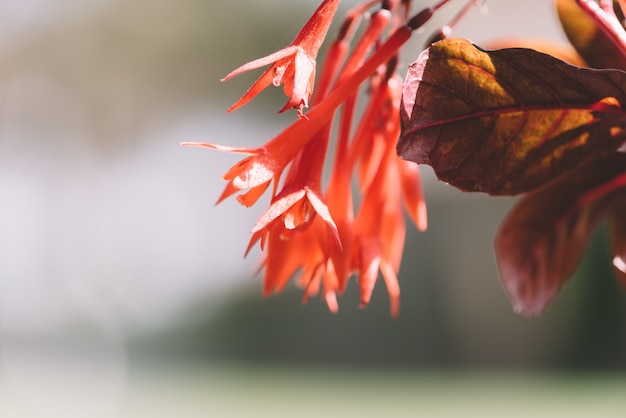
289 142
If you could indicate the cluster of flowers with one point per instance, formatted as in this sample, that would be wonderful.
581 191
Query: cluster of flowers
318 232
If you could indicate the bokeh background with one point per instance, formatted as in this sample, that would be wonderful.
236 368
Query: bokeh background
123 289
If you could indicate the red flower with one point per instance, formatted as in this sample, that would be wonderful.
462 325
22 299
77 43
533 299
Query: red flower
300 200
386 182
293 66
254 173
316 234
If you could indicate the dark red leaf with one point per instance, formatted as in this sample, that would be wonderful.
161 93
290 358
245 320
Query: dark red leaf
507 121
590 42
544 237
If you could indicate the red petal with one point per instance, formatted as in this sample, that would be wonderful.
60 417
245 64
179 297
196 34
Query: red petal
391 280
322 210
369 254
280 264
413 195
225 148
262 62
278 208
248 199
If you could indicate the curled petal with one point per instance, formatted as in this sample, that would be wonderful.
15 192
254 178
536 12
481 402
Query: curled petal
284 206
299 79
254 173
277 209
251 172
262 62
250 198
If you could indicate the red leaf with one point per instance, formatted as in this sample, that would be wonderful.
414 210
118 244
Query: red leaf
590 42
507 121
544 237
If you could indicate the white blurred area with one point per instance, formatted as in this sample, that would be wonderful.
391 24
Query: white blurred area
107 226
103 216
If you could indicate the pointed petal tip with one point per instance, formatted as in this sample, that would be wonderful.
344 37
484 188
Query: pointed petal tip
366 296
253 240
331 302
235 106
195 144
239 103
224 148
322 210
422 217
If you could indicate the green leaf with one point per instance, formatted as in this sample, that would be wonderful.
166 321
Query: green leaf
507 121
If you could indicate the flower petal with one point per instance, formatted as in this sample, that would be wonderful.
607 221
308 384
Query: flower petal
268 77
369 262
322 210
225 148
413 194
278 208
262 62
393 288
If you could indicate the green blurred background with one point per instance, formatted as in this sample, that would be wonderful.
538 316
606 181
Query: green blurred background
123 291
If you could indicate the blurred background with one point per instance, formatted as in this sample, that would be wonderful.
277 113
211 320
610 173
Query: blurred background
123 289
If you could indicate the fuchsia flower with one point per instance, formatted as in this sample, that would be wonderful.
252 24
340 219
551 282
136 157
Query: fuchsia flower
293 66
315 234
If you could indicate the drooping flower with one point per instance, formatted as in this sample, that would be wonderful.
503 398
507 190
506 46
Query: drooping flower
386 182
299 201
314 234
293 66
